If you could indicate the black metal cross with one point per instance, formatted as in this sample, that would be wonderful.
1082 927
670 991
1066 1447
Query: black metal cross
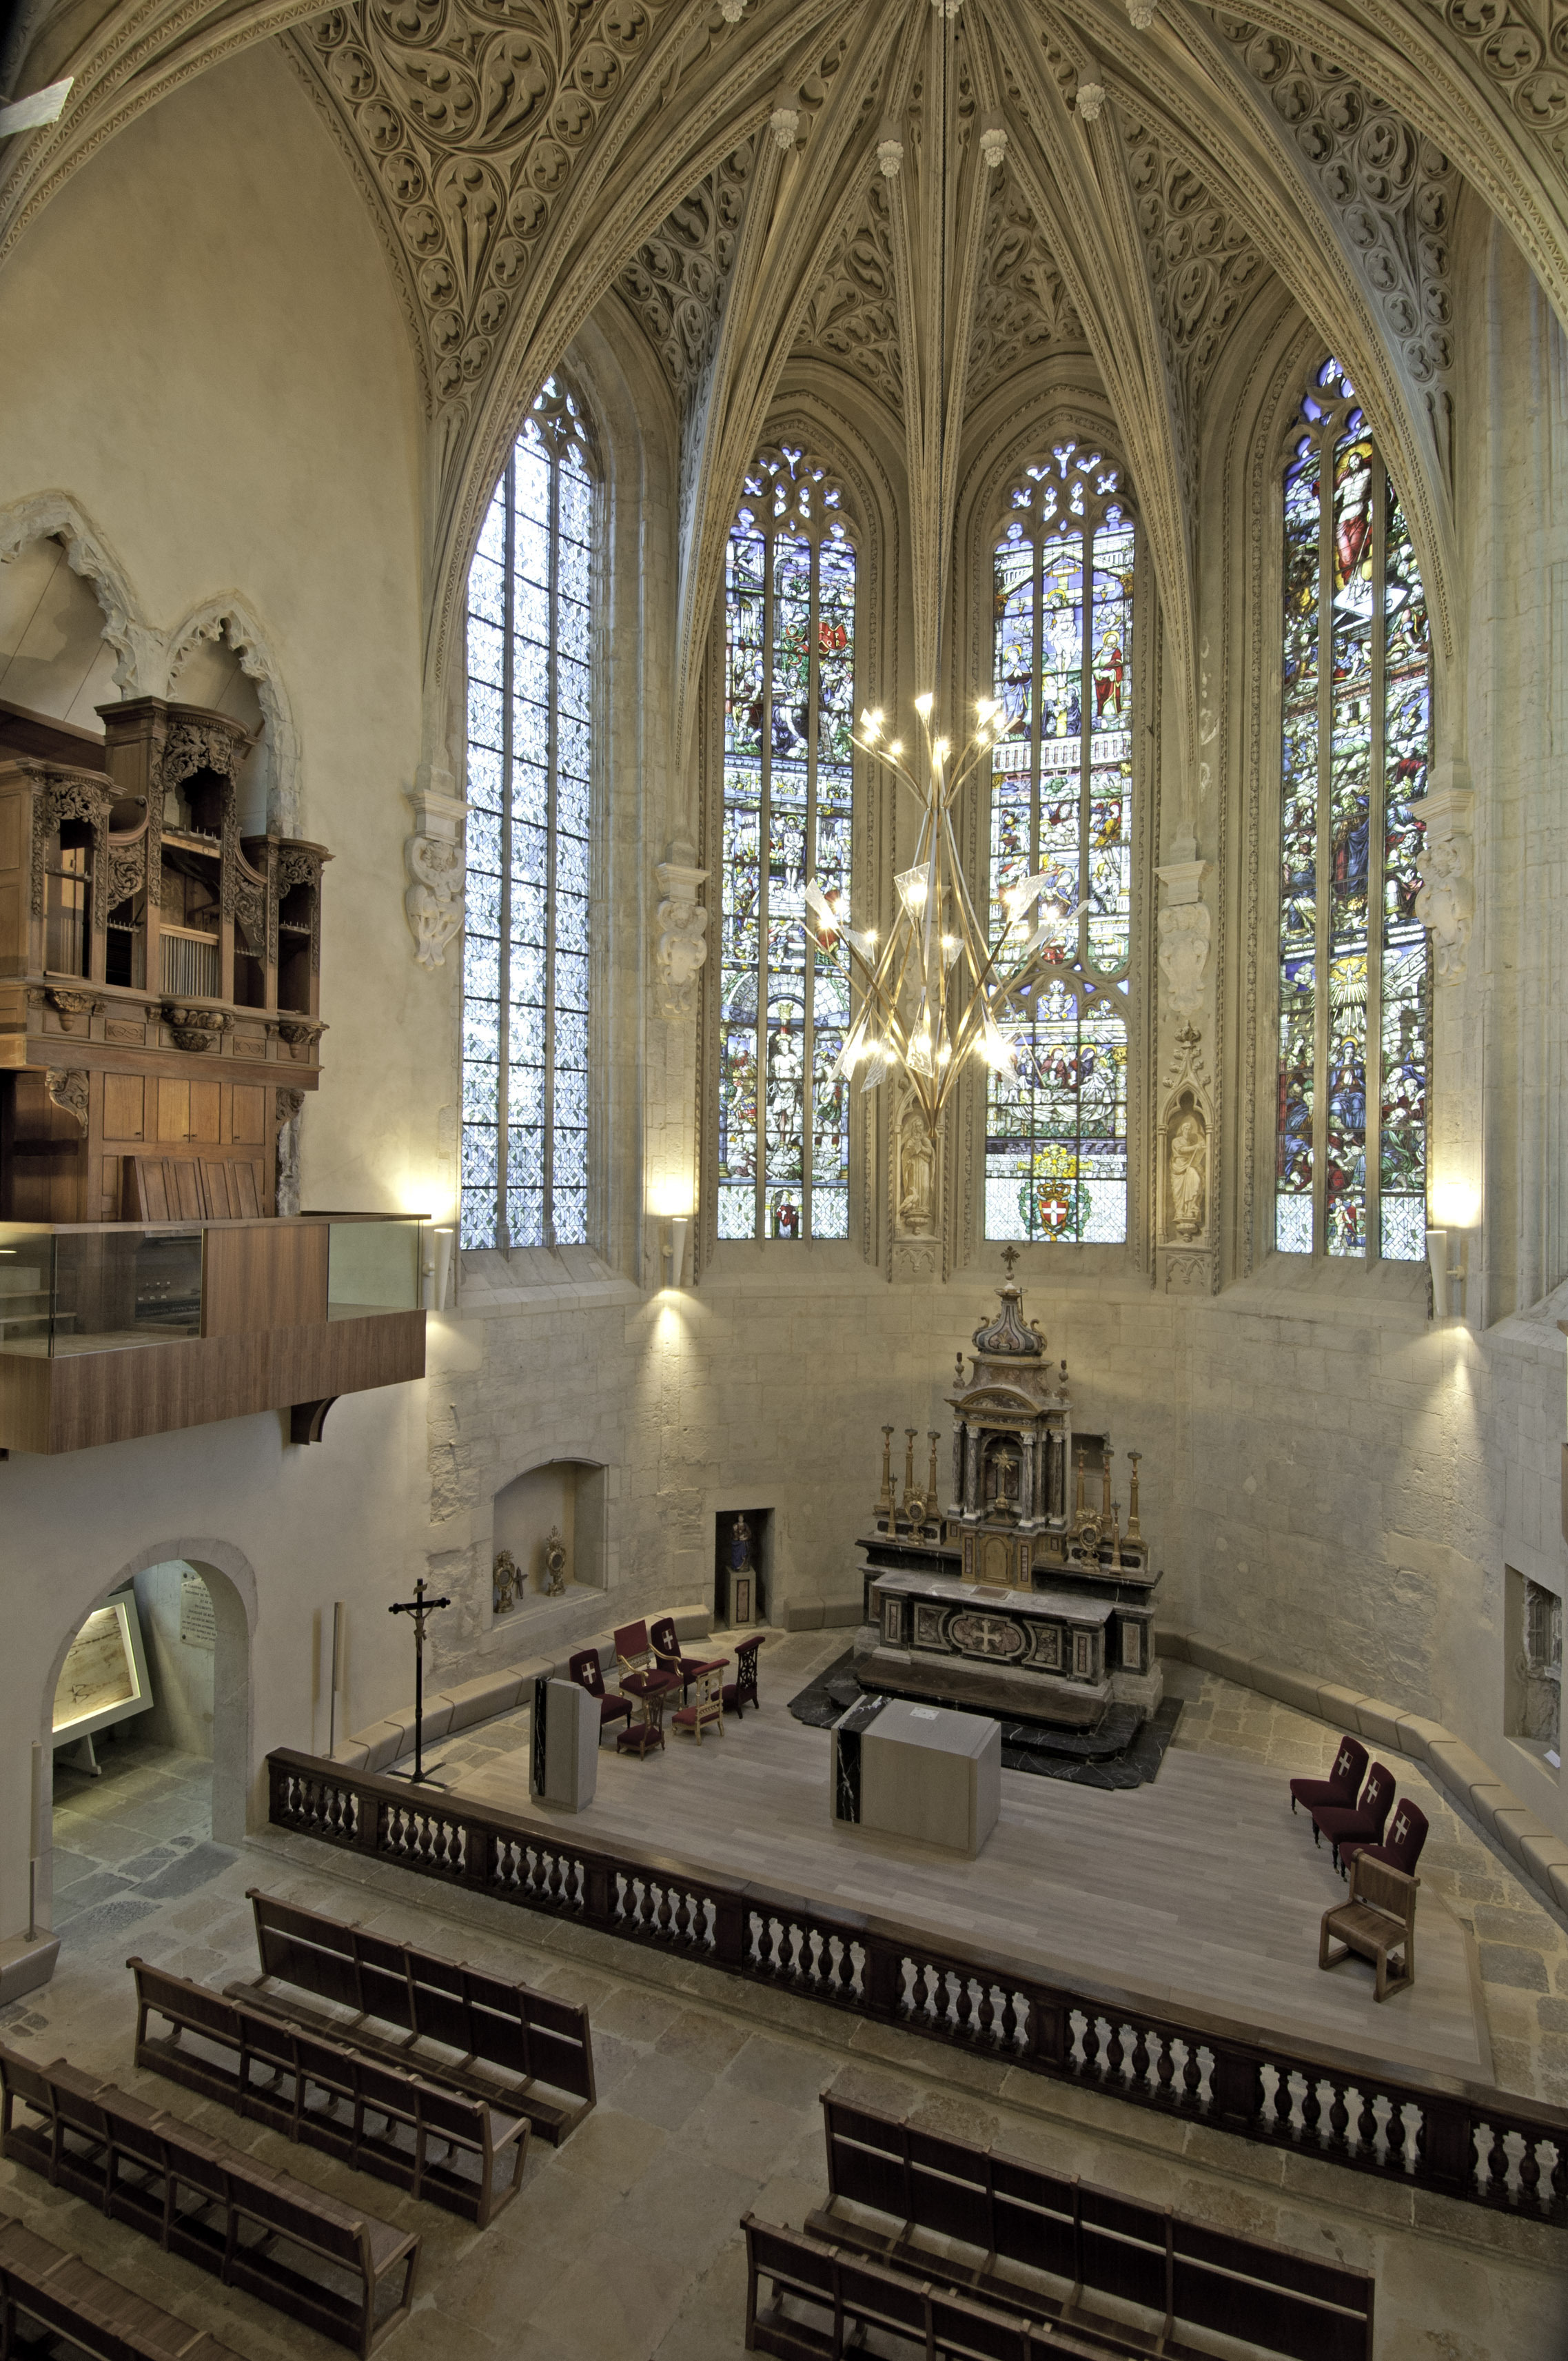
1010 1256
418 1607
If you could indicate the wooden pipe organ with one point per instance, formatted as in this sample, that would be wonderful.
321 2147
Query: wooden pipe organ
160 972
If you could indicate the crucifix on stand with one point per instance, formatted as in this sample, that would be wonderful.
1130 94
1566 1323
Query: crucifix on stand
418 1607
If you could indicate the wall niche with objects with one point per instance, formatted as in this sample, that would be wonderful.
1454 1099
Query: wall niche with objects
549 1535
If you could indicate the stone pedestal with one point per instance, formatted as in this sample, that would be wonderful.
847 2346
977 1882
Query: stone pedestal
25 1963
917 1771
564 1759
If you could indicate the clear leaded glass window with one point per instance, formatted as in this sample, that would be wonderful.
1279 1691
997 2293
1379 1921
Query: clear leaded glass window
1061 800
1355 992
525 945
784 1145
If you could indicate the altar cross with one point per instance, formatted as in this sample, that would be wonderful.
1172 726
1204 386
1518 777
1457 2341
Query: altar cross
420 1607
1009 1256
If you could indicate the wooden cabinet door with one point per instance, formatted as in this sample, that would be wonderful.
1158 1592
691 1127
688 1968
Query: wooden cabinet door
206 1104
123 1107
173 1110
249 1114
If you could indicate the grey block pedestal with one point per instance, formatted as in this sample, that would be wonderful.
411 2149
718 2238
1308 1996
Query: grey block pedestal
563 1760
917 1771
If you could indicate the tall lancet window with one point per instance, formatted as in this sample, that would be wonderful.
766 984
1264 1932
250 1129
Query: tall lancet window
1354 993
1061 800
525 947
783 1139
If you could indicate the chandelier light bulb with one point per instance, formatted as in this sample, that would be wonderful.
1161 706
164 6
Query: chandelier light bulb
896 749
923 706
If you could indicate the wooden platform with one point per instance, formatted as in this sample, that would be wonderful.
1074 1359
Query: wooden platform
1201 1887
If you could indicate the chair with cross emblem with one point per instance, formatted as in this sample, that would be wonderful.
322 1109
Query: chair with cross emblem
1358 1823
1401 1847
1344 1782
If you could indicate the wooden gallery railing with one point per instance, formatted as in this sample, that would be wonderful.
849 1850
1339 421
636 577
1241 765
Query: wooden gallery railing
1428 2131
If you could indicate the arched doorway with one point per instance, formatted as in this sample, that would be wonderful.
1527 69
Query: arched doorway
147 1717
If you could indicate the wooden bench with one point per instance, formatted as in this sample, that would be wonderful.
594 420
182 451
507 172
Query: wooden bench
456 2022
68 2298
292 2246
1020 2219
859 2296
438 2144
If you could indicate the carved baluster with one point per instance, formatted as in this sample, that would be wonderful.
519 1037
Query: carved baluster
1284 2098
1114 2053
1140 2058
1366 2122
846 1968
1560 2173
985 2014
1339 2116
1165 2067
1090 2042
683 1925
1311 2105
1529 2173
1191 2071
1498 2164
919 1991
1012 2026
1396 2136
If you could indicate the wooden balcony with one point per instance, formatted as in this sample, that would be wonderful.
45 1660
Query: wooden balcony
109 1331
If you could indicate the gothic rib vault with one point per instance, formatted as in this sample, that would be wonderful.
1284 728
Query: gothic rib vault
730 183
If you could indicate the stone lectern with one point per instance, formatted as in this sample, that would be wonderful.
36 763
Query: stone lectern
917 1771
562 1763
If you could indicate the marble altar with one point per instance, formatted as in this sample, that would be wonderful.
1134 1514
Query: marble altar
1023 1593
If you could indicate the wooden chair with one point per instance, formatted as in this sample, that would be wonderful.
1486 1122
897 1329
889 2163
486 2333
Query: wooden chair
742 1690
1379 1919
647 1684
707 1708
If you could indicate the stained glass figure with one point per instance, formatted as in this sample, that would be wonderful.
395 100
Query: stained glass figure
525 943
783 1140
1354 993
1061 801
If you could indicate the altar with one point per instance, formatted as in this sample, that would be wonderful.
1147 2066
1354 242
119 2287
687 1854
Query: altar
1026 1593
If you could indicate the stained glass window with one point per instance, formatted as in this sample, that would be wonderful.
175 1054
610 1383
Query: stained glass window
1061 800
1355 992
784 1141
525 945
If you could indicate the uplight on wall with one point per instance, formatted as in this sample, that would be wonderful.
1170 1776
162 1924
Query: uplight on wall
675 1231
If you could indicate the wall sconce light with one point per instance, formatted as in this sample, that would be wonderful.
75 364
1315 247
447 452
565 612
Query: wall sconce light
675 1229
1448 1259
437 1271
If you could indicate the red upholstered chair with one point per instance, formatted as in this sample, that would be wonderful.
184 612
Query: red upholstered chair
667 1651
642 1679
742 1690
1342 1783
585 1667
1402 1849
1361 1822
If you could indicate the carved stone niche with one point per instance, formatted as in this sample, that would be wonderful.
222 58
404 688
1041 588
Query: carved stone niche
1184 1170
680 951
436 865
1184 928
1446 903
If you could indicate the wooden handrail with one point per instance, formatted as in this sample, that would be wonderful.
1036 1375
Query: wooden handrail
1413 2126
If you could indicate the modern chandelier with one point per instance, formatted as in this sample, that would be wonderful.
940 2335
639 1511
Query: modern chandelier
939 992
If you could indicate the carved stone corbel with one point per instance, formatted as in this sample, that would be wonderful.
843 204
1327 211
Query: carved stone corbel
681 951
68 1091
1184 928
75 1010
1446 866
433 901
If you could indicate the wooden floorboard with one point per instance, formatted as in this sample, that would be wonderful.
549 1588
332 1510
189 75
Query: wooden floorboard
1201 1888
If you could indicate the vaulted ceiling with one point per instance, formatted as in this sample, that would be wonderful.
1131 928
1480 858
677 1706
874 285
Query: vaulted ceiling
726 169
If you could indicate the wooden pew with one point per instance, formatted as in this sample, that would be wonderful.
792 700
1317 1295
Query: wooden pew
458 2023
1019 2218
291 2245
68 2298
436 2143
859 2296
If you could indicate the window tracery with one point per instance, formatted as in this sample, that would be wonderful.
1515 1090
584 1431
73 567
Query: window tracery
790 583
1061 801
1355 962
525 948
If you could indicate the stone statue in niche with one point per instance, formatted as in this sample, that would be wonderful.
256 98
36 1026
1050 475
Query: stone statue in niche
917 1173
506 1583
553 1574
1186 1171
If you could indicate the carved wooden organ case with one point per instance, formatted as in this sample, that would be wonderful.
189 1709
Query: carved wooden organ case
159 974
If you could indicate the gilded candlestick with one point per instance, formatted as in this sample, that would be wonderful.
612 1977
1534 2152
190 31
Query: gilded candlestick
1134 1531
1115 1534
886 1499
933 1438
911 1498
1079 1506
1105 1491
